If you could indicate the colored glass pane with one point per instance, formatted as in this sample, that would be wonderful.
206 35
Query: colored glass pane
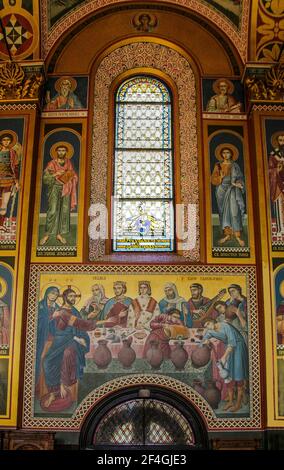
143 182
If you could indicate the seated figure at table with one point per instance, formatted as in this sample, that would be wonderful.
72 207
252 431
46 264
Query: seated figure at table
202 308
172 300
143 308
197 301
164 327
115 310
95 304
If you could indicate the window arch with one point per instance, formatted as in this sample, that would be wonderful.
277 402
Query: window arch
143 204
178 70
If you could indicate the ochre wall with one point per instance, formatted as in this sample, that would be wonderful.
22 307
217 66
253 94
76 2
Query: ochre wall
97 52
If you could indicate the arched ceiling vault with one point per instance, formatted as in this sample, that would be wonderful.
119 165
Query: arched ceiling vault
207 44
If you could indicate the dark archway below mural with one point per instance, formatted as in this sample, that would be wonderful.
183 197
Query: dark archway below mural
168 417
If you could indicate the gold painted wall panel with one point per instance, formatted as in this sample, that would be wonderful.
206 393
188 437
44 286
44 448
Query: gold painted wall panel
20 20
13 262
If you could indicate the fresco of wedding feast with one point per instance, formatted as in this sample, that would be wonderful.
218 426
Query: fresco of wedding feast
92 329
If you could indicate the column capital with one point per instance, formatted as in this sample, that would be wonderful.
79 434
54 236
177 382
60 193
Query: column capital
264 83
21 81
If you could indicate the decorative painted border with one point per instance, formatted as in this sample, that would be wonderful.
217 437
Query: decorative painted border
269 31
64 114
18 106
230 250
179 70
230 117
74 423
268 107
238 38
59 249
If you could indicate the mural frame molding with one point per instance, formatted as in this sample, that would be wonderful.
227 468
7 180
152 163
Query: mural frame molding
75 422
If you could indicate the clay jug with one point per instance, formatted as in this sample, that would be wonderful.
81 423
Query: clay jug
212 394
102 354
201 356
179 356
198 386
126 355
154 355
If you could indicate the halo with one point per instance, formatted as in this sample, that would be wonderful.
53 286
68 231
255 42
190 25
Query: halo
70 79
233 148
70 149
46 286
3 287
274 138
281 288
14 137
137 19
69 286
216 85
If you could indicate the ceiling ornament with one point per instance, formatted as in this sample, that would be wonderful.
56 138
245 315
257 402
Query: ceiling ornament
269 31
21 31
237 35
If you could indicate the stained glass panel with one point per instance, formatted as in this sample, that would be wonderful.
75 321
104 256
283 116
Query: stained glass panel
143 182
142 423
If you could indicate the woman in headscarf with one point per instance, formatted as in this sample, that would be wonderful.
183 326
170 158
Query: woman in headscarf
45 331
172 300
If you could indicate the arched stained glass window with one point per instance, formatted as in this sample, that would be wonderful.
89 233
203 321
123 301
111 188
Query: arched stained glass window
143 214
144 423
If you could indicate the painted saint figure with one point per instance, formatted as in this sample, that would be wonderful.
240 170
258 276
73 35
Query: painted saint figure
161 331
95 304
143 308
280 322
65 97
10 157
45 333
276 179
64 362
202 308
223 101
173 300
228 179
116 309
4 316
198 305
61 180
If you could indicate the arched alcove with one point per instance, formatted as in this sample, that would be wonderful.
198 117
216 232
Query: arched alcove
174 67
143 418
204 38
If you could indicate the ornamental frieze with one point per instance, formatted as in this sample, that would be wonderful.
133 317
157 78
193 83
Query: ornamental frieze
19 82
